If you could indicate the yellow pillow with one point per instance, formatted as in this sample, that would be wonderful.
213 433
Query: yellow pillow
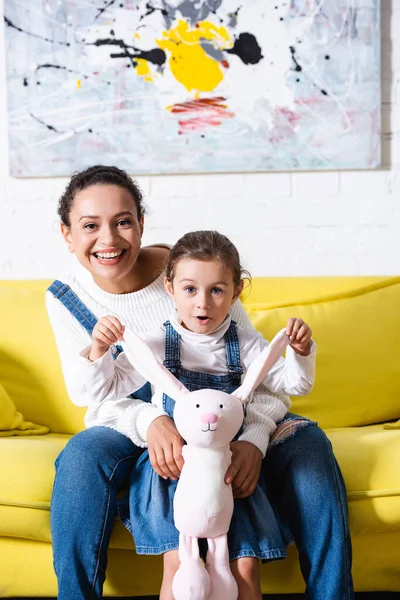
395 425
12 422
358 341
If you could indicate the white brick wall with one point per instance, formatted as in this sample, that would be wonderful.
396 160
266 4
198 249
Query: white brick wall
284 224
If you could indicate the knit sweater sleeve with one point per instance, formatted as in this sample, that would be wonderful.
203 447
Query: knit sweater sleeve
270 401
102 388
263 412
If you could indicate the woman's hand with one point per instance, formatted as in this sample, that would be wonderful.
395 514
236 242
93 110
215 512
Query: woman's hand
299 336
107 332
165 448
244 469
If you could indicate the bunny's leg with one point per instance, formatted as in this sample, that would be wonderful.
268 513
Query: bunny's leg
191 581
223 584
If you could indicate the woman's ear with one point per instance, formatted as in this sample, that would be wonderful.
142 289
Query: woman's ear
169 287
66 233
237 292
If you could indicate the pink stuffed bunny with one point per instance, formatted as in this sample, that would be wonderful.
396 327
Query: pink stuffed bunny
203 504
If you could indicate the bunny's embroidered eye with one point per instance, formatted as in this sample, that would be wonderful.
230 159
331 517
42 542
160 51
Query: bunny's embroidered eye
197 405
221 406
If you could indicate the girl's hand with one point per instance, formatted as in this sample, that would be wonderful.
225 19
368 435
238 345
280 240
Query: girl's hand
165 448
107 332
244 469
299 336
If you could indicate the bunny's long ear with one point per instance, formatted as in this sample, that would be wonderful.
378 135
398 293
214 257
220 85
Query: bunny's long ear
143 359
263 363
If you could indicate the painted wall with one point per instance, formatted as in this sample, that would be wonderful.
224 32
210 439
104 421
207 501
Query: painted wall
330 223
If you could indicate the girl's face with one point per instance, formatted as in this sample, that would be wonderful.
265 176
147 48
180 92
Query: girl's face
105 234
203 292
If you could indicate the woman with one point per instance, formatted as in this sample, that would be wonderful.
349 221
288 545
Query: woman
102 222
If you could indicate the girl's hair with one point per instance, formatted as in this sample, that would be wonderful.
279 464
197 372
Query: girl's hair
98 175
206 245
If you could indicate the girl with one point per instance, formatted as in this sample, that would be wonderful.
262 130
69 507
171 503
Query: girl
102 220
204 348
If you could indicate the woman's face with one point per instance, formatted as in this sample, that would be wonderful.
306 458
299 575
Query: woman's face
105 233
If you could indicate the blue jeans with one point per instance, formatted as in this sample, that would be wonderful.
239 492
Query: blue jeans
92 468
302 470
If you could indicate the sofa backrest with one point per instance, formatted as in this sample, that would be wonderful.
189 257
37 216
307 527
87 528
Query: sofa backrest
355 320
356 325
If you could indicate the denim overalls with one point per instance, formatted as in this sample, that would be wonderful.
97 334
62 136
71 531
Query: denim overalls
254 529
304 483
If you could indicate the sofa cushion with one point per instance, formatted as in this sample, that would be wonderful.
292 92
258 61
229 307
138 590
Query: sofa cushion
27 475
29 363
358 366
369 459
368 456
12 422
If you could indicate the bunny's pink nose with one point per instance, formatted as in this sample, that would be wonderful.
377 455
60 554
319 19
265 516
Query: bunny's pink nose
208 418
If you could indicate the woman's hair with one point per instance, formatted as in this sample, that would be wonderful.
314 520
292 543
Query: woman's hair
206 245
98 175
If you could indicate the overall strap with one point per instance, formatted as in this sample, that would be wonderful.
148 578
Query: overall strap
232 347
172 359
74 304
78 309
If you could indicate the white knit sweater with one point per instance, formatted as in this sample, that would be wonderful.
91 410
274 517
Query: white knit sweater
102 385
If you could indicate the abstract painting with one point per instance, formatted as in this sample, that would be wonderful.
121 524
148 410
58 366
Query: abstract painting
184 86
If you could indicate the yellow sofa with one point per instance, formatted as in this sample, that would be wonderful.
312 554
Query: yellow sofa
356 323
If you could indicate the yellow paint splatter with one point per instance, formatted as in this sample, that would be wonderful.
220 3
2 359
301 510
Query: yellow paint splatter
189 62
143 69
78 84
137 36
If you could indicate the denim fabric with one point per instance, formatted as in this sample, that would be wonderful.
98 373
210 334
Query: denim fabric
88 320
92 468
254 529
308 492
305 487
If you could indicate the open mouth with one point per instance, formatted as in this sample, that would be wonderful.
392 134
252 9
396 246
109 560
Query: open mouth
110 258
203 320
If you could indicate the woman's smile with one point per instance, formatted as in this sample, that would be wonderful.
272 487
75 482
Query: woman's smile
109 257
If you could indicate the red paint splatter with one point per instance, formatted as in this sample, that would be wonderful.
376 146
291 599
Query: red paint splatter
290 116
225 64
205 112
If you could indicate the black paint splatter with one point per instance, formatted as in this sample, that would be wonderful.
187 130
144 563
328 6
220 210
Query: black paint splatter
298 67
151 9
101 10
50 127
247 49
25 82
155 56
54 66
10 24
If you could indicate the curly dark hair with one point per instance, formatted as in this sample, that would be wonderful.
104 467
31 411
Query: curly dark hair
98 175
207 245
